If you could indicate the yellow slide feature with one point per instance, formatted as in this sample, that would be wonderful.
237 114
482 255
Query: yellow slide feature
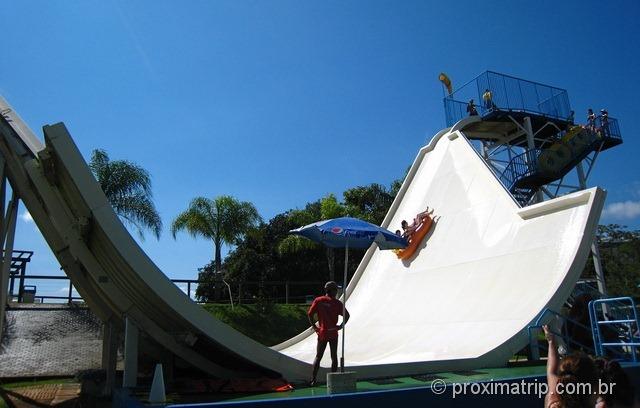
563 153
446 82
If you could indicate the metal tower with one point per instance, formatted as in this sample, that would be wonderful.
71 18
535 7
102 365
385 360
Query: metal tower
527 135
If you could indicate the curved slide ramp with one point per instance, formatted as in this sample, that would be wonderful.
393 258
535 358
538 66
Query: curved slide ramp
481 276
464 299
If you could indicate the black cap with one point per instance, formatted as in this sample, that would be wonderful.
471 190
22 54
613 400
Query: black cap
330 285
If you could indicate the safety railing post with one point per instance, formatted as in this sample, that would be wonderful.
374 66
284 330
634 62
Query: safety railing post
286 293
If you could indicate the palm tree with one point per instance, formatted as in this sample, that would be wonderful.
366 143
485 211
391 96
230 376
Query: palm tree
128 189
224 220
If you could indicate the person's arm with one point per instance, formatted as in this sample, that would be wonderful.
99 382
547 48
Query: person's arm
345 319
553 360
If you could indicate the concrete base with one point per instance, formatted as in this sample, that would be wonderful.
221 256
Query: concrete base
339 383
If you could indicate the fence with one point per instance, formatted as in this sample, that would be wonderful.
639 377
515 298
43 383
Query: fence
508 94
59 289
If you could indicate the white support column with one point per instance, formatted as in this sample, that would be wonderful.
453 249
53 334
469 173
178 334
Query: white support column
130 377
531 145
595 251
109 355
8 236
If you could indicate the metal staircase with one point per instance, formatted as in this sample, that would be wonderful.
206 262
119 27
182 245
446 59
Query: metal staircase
534 168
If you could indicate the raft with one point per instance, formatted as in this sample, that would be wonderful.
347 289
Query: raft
415 239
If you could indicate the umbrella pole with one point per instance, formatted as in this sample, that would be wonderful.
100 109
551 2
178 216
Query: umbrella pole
344 302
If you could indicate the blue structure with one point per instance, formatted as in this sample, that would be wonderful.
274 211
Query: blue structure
509 95
614 322
531 125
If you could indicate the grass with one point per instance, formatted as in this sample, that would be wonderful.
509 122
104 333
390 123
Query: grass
268 324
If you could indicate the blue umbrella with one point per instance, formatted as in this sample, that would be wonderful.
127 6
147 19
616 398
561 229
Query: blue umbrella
348 232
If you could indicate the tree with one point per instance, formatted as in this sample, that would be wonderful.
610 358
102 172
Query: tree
269 252
620 253
224 220
369 203
620 258
128 189
329 208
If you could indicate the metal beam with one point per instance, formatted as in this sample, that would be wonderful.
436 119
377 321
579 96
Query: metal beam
3 197
8 236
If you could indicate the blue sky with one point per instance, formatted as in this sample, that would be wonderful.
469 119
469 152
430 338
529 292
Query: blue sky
282 102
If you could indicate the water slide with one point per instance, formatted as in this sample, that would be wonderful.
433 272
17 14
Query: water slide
463 300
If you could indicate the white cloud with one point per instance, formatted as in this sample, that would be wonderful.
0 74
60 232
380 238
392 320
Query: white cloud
625 210
65 289
26 217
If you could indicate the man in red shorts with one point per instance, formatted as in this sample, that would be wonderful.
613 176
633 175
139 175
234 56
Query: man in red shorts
328 308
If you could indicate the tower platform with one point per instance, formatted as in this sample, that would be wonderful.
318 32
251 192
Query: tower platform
533 123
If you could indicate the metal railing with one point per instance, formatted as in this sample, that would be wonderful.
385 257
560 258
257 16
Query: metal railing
508 94
245 292
522 165
606 127
590 138
545 317
619 318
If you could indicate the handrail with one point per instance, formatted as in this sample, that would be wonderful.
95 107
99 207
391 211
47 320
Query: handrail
606 127
189 290
509 94
528 163
628 332
542 317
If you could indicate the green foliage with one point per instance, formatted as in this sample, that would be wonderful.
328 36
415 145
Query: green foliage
268 325
615 233
331 208
271 253
620 258
210 286
128 189
224 220
369 203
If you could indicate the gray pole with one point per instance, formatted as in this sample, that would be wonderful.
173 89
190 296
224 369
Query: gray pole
344 302
531 145
286 292
70 291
